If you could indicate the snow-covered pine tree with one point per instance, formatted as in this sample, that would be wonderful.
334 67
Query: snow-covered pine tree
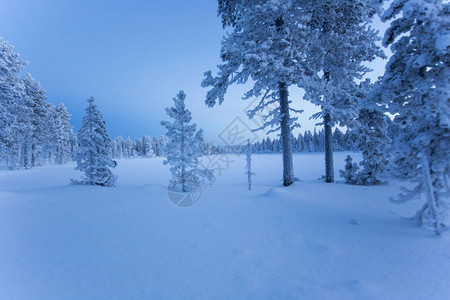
371 130
248 167
340 41
351 140
20 130
183 148
321 140
51 139
63 132
73 141
156 146
138 147
266 45
338 140
94 149
118 146
131 146
10 66
350 172
40 118
163 142
147 146
125 149
373 143
415 88
269 145
300 143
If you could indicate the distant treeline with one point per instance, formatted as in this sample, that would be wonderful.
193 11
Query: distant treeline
307 142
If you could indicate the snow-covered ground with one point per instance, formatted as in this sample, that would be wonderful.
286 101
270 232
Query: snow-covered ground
312 240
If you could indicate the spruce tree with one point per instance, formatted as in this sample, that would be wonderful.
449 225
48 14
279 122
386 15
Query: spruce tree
93 153
184 148
350 172
371 131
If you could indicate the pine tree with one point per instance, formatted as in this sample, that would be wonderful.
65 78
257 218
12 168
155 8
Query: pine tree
40 118
94 150
63 133
20 130
338 140
73 140
350 172
415 88
30 127
147 146
10 93
183 149
374 144
163 143
340 42
156 145
118 147
371 131
51 142
131 148
266 45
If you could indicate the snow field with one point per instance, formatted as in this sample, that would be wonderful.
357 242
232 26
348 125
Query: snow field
311 240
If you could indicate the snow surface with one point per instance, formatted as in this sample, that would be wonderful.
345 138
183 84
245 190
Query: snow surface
312 240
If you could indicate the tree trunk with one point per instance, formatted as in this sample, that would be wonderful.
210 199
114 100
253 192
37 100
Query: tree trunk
429 192
16 152
329 168
288 166
33 155
27 155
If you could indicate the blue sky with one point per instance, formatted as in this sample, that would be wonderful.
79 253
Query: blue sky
132 56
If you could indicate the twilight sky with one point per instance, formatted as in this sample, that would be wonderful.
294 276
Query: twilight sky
133 57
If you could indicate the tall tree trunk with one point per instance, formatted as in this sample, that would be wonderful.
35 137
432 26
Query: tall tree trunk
288 166
16 151
33 154
429 192
329 168
27 155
